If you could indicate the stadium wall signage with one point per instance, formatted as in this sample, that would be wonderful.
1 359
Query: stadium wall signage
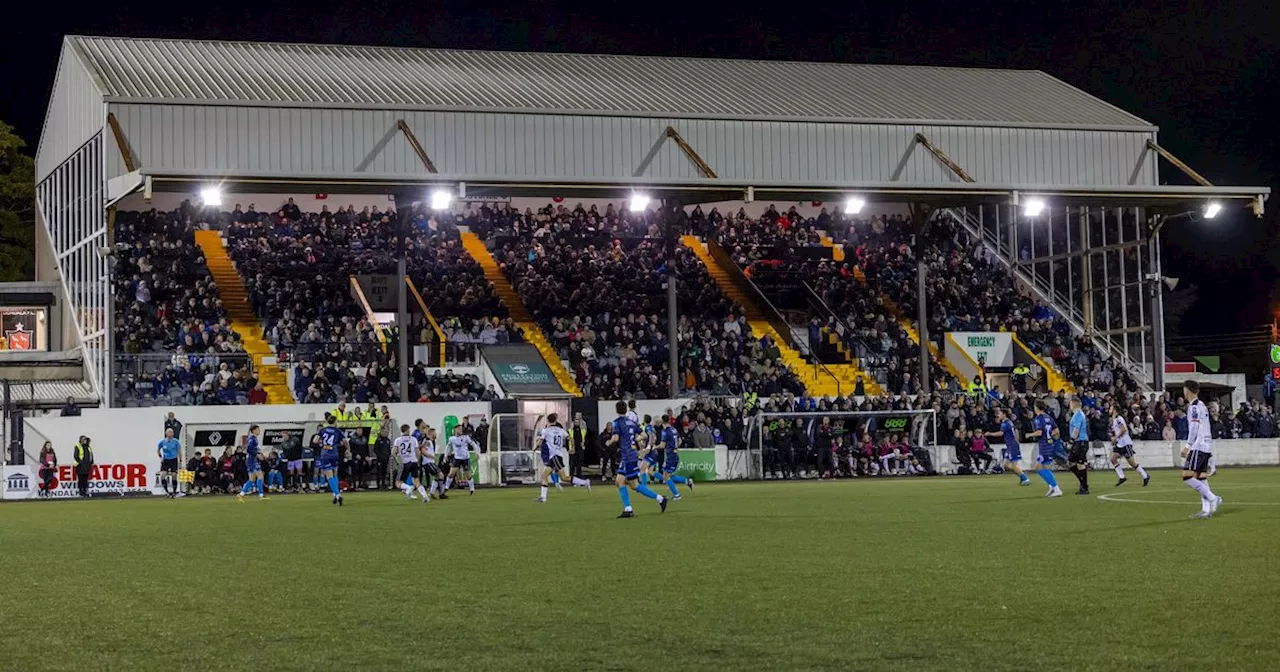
994 349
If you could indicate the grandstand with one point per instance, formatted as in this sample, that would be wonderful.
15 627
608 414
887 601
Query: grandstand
945 165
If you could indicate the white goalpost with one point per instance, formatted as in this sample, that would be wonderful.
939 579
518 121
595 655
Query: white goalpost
512 458
769 451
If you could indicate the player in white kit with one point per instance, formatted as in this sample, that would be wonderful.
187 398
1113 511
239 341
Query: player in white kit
460 447
427 454
1123 447
1198 451
551 449
406 446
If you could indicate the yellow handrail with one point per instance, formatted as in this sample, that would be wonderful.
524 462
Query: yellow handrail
435 326
368 311
1049 371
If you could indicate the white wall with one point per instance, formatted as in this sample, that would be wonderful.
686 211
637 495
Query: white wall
651 407
166 201
131 434
1155 454
754 209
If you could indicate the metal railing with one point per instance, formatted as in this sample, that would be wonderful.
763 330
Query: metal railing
1063 305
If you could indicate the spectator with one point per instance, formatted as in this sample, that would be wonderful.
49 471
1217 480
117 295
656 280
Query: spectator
48 473
70 408
258 395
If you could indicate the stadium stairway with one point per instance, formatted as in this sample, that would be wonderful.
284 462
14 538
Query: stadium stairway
532 332
1054 379
815 379
243 320
910 327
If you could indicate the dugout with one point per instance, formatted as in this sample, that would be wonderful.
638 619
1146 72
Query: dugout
1020 158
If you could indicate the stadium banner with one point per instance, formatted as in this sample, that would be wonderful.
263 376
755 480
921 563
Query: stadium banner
520 369
124 440
698 464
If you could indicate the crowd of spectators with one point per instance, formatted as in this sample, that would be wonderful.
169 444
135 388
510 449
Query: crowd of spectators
968 290
595 282
594 279
296 267
173 340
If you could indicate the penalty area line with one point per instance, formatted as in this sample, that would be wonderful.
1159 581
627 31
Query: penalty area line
1116 497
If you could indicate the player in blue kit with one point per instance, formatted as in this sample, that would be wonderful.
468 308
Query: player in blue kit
1012 454
253 466
626 436
652 460
1045 432
671 457
332 441
168 450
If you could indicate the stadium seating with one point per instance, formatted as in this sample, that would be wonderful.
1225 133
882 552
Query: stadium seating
594 281
170 324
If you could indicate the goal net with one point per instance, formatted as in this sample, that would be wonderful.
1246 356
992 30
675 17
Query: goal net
798 444
513 460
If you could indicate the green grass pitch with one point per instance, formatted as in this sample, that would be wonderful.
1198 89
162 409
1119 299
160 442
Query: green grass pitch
892 574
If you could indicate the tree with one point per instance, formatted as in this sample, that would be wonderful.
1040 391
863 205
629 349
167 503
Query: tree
17 208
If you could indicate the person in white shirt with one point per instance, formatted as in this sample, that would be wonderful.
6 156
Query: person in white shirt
460 447
407 448
551 449
1123 447
427 453
1198 451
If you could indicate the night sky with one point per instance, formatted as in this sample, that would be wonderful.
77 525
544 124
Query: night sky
1205 72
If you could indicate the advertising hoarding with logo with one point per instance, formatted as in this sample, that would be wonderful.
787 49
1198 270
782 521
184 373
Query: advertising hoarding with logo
519 369
698 464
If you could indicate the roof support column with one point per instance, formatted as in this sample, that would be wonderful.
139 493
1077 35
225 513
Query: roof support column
673 349
920 214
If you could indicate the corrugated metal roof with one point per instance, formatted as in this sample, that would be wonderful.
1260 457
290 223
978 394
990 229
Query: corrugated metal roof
51 391
258 73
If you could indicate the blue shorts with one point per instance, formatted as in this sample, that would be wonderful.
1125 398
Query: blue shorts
670 467
651 459
630 470
1012 454
327 463
251 465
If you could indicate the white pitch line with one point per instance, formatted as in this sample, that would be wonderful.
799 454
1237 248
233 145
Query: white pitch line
1191 500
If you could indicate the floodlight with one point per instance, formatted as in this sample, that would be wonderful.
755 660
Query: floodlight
854 205
441 199
1211 209
639 203
1033 207
211 196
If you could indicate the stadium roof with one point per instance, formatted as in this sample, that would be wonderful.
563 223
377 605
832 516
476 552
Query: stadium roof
330 76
